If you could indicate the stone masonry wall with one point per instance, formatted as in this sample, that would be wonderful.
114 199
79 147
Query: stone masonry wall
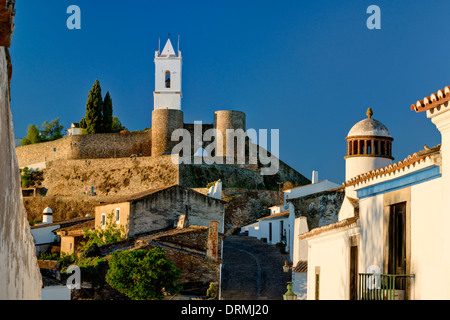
197 272
109 177
320 208
162 209
89 146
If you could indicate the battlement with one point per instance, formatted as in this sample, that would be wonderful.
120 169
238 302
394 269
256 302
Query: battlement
89 146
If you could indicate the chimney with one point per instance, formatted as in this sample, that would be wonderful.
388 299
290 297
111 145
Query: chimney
212 245
47 216
315 177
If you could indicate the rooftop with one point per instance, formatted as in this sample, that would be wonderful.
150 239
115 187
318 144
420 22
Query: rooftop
333 226
140 195
409 161
432 101
63 223
369 127
276 215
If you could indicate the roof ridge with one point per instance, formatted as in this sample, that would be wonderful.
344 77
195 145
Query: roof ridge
432 100
407 162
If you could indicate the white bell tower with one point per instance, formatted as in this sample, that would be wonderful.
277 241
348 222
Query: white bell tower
168 65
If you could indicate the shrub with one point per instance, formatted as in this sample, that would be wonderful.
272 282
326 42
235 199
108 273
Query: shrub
143 275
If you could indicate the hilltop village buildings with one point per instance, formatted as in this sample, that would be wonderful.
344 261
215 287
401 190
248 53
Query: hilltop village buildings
382 234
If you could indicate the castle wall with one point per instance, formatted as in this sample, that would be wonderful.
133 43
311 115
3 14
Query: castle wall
111 177
89 146
198 176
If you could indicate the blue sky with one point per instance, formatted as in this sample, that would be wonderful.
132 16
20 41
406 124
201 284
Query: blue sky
308 68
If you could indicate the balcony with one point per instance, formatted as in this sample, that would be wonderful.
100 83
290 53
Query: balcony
374 286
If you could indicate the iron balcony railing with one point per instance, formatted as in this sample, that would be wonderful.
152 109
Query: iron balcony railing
373 286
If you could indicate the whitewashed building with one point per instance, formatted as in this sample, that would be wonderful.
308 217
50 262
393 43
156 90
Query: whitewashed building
392 239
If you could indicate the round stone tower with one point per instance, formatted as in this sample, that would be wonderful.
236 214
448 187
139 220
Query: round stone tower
164 123
224 120
369 147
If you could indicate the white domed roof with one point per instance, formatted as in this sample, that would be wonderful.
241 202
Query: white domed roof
369 127
48 210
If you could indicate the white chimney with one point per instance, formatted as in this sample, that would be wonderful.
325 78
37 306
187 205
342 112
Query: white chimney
315 177
47 215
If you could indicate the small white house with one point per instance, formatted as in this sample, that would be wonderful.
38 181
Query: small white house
74 130
43 233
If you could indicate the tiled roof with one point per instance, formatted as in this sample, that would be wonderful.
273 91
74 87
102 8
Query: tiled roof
276 215
432 101
302 266
137 196
63 223
77 228
410 160
333 226
149 192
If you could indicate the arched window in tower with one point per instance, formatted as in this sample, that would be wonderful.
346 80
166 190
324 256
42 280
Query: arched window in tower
167 79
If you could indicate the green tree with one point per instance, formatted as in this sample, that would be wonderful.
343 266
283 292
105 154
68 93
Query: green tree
99 237
117 125
107 114
94 108
142 274
33 136
25 177
51 130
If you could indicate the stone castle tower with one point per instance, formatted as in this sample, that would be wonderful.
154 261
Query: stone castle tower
167 115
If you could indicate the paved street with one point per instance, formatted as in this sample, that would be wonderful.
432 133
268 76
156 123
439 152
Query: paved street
252 270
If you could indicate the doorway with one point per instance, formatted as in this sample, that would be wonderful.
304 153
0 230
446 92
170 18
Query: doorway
397 243
353 272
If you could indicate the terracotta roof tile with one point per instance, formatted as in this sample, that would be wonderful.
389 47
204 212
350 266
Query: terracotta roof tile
276 215
77 228
432 101
333 226
137 196
302 266
410 160
146 193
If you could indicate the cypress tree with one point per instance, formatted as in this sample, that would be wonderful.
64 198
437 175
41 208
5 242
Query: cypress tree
107 114
94 108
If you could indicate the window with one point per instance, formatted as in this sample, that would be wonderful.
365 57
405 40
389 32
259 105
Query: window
103 220
317 284
167 79
117 216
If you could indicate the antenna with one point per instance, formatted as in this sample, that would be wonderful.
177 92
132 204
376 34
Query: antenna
159 45
178 44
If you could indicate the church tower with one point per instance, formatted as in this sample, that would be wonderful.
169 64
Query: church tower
167 115
168 65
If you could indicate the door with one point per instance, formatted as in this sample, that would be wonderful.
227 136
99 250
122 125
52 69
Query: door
270 232
353 273
397 242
